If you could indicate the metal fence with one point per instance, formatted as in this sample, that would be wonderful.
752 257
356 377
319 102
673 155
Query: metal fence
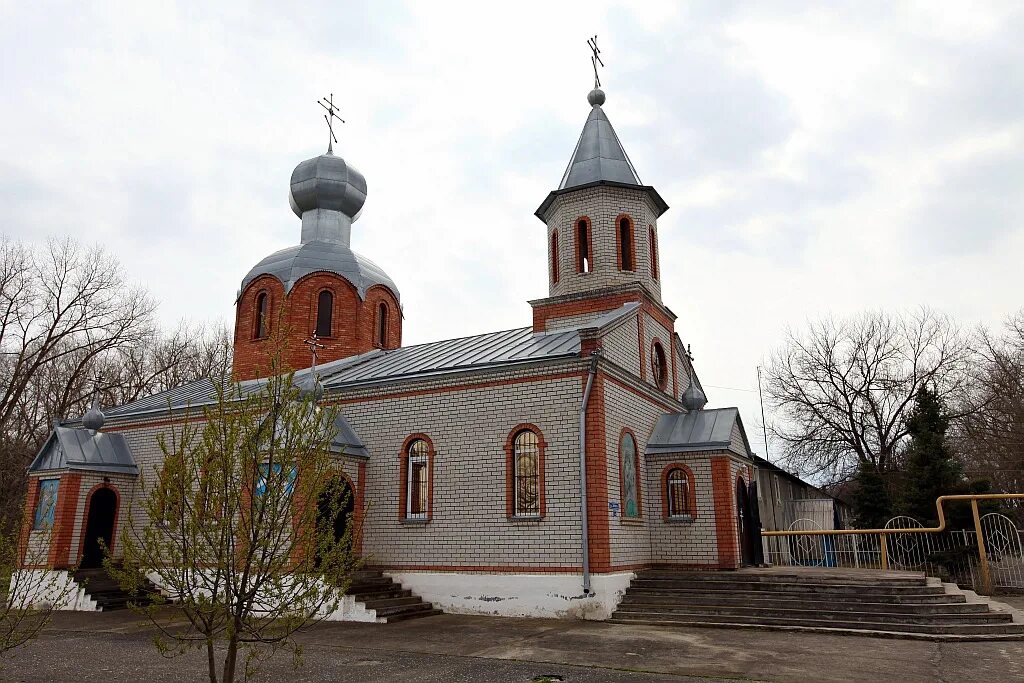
989 557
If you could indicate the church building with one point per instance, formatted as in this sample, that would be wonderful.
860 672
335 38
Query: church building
525 472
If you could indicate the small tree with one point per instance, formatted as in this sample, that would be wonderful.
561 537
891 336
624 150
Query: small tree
239 528
29 591
872 504
930 469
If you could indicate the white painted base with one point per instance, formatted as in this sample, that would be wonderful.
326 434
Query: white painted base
554 596
50 588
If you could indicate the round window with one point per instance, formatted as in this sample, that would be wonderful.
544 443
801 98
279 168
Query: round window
659 368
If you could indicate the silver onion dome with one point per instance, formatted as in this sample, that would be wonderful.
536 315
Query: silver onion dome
595 97
94 419
327 182
694 398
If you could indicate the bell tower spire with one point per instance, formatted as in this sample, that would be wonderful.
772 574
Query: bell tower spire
601 220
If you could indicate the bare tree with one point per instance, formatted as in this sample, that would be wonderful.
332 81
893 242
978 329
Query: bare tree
991 434
67 317
240 528
842 389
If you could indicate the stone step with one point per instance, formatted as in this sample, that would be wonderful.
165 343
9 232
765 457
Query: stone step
957 606
396 592
392 602
891 618
402 616
866 627
688 594
370 584
404 609
872 578
732 585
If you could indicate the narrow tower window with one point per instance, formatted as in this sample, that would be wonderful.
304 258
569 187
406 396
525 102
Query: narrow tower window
653 239
659 367
554 256
584 261
382 324
324 313
261 316
625 244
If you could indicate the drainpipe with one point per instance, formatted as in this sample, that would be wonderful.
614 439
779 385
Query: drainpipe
594 357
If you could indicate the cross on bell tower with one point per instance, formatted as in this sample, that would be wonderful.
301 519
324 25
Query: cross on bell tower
332 113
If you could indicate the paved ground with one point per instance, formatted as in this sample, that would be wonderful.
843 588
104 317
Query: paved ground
117 647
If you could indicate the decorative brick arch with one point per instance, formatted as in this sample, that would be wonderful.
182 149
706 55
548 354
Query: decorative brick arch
403 476
619 251
636 474
691 490
85 517
510 468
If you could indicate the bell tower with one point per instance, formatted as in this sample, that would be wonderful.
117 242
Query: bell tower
602 230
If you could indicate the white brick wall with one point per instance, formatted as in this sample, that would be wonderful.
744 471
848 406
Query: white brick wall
602 205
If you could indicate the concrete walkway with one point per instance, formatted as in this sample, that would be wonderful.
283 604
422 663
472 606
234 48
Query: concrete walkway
117 646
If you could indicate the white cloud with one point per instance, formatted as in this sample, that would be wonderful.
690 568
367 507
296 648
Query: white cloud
865 156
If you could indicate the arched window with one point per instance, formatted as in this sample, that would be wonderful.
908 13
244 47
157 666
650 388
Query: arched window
629 471
584 258
417 479
554 256
324 313
625 244
653 239
677 494
382 324
524 472
261 328
659 367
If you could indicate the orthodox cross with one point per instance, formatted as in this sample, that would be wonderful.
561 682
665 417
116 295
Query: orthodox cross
332 113
97 384
313 343
595 59
689 353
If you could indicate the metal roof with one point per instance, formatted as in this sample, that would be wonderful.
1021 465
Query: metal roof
293 263
697 430
598 155
466 353
599 160
196 393
85 449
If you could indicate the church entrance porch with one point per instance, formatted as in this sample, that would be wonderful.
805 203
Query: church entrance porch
101 517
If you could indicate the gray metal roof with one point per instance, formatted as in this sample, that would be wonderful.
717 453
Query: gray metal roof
83 449
598 155
697 430
599 159
346 440
197 393
293 263
466 353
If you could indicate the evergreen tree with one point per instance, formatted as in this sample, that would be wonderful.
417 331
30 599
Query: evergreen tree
872 505
929 467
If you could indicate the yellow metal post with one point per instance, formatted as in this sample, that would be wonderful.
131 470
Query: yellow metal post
986 577
885 551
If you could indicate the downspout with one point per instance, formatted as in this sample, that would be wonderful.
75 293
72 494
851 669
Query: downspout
594 357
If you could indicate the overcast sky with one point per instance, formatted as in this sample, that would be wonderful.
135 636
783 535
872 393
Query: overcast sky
816 161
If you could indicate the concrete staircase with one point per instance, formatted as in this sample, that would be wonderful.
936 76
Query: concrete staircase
107 593
866 602
387 599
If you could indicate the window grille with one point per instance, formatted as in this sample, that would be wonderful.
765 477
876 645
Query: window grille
526 456
678 485
418 480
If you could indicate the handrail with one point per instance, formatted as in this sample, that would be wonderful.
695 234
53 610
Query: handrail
918 530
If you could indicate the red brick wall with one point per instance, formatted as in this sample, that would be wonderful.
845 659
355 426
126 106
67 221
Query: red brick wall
64 519
725 513
293 318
